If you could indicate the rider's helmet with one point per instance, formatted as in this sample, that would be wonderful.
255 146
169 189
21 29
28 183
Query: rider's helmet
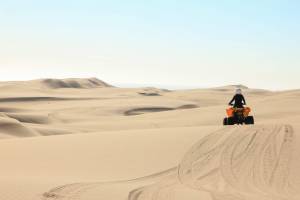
238 91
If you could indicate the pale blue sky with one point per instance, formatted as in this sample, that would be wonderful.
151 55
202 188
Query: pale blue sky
188 43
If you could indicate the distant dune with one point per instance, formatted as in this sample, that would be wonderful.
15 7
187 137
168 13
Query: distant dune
88 140
59 83
72 83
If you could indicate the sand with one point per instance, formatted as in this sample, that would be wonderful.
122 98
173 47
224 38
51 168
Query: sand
83 139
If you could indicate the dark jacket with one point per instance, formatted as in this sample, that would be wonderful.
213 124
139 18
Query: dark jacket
239 101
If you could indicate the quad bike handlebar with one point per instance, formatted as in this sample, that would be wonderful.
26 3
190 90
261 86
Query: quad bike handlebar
231 104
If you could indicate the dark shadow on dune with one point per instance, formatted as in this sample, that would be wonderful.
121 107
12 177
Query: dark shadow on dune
61 84
50 132
98 83
153 92
27 118
16 129
32 99
74 83
188 106
10 110
140 111
149 94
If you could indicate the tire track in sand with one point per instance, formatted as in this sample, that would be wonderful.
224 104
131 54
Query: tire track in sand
233 163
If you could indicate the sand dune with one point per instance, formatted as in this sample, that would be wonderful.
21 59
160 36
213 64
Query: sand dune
104 142
34 99
232 163
73 83
57 83
10 127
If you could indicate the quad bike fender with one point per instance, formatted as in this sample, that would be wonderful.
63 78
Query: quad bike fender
230 111
246 111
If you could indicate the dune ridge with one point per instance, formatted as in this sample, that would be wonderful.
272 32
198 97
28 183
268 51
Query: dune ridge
73 83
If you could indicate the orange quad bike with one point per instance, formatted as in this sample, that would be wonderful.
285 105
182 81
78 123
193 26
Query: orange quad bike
238 116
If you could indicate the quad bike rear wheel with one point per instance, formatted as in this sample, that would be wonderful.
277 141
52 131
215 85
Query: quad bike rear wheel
249 120
229 121
225 121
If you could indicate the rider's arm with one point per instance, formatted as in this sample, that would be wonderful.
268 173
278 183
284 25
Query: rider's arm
231 102
244 100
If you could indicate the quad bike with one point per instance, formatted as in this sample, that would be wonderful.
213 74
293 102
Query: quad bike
238 116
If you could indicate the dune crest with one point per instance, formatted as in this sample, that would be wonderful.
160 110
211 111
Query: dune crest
76 83
72 83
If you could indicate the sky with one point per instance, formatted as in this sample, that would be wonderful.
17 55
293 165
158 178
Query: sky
163 43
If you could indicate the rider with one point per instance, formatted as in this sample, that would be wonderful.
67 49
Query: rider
238 99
